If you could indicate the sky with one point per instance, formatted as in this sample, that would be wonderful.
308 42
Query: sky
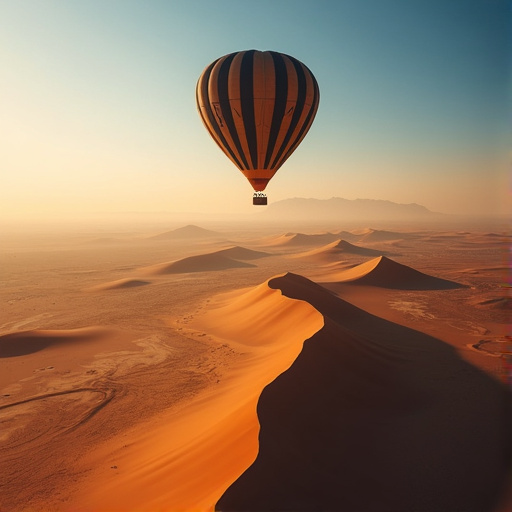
98 113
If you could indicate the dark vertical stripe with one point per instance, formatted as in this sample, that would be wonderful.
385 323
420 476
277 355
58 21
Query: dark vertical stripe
297 112
212 120
309 119
281 87
225 106
247 100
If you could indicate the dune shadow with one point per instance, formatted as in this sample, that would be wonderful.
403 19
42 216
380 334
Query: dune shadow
374 416
12 345
28 342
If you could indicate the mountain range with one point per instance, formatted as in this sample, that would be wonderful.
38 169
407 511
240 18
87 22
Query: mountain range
351 209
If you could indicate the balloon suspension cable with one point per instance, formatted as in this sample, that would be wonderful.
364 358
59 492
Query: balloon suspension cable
259 198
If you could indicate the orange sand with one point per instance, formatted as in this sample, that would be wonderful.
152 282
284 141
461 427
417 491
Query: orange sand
136 369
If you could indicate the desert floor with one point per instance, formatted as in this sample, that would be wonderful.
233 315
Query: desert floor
137 365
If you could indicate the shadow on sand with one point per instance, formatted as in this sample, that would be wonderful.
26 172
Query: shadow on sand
374 416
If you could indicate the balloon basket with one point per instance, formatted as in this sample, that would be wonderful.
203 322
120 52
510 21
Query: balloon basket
260 200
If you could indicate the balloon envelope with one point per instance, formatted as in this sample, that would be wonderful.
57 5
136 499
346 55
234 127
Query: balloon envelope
257 106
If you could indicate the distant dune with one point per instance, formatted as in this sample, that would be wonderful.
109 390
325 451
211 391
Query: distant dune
369 417
186 232
120 283
297 239
344 246
368 235
501 303
347 235
335 250
241 253
27 342
200 263
387 273
377 235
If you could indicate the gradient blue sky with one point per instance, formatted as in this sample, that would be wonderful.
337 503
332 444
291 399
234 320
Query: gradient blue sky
97 103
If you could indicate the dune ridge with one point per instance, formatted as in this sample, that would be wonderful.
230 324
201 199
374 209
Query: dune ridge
214 437
369 402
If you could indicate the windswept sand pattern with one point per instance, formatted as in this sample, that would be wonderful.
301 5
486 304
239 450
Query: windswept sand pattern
58 412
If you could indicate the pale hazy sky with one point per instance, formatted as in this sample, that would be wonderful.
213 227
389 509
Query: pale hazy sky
97 103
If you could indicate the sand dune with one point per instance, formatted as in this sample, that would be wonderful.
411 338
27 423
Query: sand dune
27 342
504 302
335 250
222 259
241 253
370 418
119 284
186 233
298 239
376 235
387 273
367 235
347 235
200 263
188 460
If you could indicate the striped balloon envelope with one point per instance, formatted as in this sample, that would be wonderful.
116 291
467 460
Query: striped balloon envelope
257 106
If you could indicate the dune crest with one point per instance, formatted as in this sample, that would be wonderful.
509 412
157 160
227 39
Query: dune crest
214 437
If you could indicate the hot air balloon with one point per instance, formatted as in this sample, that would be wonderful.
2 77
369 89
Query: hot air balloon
257 106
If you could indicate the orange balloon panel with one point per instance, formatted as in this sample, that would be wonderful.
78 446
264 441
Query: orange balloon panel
257 106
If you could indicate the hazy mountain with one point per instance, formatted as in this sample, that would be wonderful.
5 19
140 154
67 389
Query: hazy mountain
339 208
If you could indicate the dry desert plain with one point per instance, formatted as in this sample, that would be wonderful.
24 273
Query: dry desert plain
198 368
